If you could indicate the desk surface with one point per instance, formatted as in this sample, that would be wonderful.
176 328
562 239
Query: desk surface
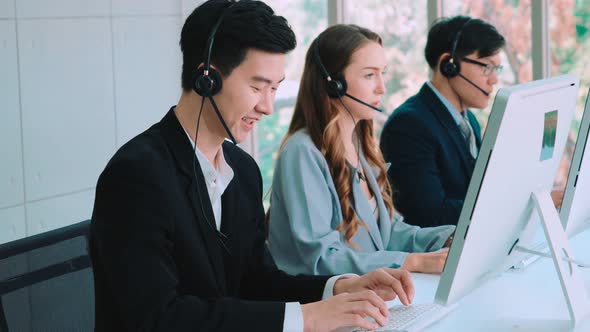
525 300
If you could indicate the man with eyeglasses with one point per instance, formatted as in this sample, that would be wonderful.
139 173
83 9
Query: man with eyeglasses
432 139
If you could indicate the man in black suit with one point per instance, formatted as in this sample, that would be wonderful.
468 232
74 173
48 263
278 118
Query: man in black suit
432 140
178 233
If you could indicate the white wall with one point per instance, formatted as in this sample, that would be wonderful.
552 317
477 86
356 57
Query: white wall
78 78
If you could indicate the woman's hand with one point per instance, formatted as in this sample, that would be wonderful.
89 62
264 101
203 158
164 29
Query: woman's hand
428 262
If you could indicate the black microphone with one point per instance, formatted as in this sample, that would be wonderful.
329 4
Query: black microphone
222 121
362 102
475 85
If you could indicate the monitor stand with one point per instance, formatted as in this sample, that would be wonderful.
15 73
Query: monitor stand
572 285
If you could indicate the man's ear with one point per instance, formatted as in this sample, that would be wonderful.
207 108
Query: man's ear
216 69
441 58
212 66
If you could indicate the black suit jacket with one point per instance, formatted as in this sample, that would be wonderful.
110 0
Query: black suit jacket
430 162
159 266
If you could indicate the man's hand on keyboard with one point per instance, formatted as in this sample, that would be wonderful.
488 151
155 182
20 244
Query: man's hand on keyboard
346 309
387 283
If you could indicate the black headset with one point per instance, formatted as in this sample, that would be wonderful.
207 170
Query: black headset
451 67
207 82
336 85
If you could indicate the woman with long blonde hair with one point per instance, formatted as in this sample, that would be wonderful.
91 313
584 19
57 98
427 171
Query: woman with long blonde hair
331 204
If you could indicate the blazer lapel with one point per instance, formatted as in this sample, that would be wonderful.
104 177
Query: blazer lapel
363 209
206 222
230 216
197 193
230 206
442 114
384 220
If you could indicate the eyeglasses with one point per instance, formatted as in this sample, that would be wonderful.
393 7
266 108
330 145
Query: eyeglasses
488 69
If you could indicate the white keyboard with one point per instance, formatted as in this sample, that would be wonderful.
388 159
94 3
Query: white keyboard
414 317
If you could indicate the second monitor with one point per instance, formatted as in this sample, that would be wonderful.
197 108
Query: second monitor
575 210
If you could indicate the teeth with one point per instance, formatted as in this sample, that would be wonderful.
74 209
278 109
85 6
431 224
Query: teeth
248 120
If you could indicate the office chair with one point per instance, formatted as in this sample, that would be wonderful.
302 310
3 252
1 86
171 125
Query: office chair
46 282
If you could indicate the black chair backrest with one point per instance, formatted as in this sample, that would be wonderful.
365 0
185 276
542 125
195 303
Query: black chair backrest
46 282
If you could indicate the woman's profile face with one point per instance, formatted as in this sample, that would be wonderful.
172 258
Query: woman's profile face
364 76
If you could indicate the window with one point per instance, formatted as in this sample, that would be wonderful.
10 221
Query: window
569 32
307 18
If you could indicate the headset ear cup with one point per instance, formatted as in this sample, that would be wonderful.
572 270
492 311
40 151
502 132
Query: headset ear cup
336 87
207 85
449 69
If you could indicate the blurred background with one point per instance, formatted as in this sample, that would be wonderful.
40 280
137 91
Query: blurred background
79 78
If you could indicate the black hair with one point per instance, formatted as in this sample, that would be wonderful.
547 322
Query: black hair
246 25
476 36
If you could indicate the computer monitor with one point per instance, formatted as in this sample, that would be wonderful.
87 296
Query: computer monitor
520 154
575 210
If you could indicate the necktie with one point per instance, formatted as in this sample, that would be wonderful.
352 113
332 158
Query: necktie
468 136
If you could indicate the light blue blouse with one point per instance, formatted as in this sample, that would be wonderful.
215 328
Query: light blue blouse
305 212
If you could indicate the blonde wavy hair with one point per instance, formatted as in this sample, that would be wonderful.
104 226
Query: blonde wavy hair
319 114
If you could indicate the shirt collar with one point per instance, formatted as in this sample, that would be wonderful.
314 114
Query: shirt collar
457 116
220 177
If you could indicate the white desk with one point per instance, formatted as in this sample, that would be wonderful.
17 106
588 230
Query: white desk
527 300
